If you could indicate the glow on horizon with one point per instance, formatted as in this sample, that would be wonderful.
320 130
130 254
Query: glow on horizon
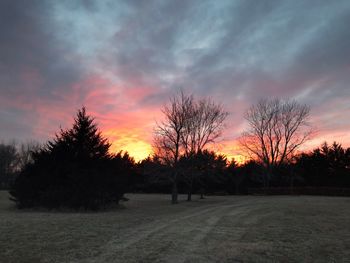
141 149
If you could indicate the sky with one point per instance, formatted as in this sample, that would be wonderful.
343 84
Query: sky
124 59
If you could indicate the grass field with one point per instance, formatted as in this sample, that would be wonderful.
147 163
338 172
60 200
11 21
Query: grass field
149 229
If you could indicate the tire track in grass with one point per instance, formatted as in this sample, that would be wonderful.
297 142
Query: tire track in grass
123 242
184 243
119 245
192 251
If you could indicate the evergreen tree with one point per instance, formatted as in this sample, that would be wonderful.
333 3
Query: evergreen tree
73 170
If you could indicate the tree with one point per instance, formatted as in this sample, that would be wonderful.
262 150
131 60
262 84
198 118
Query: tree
203 126
328 165
154 175
189 126
212 169
277 128
125 164
235 179
168 134
73 170
8 163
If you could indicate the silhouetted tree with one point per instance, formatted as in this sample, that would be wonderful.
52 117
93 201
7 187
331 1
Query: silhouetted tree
208 172
328 165
168 133
125 164
250 174
155 176
8 164
234 179
73 170
212 169
203 126
190 125
277 128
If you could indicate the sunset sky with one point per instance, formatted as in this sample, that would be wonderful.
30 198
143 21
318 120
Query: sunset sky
124 59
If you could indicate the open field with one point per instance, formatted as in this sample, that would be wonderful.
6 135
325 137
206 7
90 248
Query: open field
149 229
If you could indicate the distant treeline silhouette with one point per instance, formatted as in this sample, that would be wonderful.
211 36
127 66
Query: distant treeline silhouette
326 168
76 169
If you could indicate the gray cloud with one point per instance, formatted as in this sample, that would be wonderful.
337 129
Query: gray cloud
235 51
35 68
28 43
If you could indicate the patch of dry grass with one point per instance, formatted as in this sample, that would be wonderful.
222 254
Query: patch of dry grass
149 229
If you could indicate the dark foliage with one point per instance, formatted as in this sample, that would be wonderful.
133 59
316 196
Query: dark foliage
153 176
326 166
248 175
203 172
211 169
124 164
324 171
74 170
8 161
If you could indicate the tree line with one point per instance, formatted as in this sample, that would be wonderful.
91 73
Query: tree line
14 157
77 170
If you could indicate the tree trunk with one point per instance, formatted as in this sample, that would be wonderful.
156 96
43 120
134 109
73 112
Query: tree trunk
189 196
236 185
174 194
174 190
202 192
189 193
269 173
267 179
292 184
264 183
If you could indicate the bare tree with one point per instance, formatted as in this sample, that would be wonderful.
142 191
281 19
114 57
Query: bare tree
168 133
277 128
203 126
188 127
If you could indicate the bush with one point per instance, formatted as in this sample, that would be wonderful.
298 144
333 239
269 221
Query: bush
75 170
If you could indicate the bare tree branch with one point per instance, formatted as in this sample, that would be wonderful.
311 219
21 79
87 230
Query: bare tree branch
189 126
277 128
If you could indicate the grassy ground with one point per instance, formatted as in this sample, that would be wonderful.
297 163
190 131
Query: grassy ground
149 229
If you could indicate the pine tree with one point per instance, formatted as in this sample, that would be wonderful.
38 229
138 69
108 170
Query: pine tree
73 170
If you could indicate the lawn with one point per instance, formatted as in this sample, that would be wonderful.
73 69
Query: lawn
148 229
